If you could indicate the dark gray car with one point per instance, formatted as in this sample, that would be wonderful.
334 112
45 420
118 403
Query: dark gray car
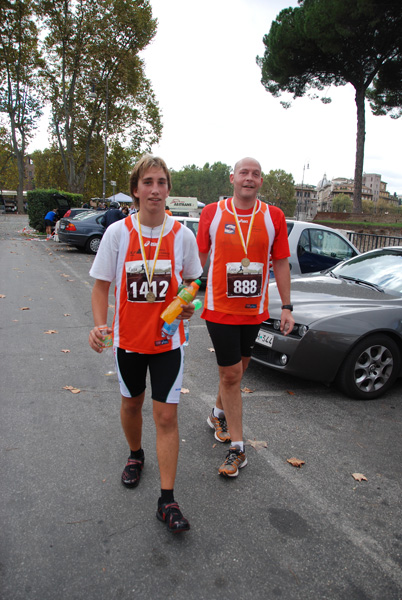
348 326
84 231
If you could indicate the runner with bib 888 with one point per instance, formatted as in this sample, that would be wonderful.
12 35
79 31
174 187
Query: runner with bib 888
240 233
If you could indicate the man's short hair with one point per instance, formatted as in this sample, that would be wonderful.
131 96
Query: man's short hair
145 163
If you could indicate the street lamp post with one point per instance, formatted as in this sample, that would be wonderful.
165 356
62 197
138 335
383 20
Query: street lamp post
105 153
93 95
113 184
302 188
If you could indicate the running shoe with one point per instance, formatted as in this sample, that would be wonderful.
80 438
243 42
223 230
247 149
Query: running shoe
171 514
132 471
220 426
235 460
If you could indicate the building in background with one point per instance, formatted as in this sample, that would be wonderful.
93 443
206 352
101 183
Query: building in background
306 201
373 189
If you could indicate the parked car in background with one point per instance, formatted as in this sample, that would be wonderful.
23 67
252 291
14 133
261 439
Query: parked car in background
84 231
73 212
192 223
315 247
348 326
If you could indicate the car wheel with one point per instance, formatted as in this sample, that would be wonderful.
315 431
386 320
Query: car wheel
92 244
370 369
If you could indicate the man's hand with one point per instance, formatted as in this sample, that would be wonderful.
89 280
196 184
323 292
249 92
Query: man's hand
187 312
287 321
96 338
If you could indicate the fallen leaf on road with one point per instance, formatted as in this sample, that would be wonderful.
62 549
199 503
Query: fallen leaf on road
211 349
257 444
359 477
2 296
290 393
71 389
66 315
184 391
65 351
247 390
25 308
295 462
51 331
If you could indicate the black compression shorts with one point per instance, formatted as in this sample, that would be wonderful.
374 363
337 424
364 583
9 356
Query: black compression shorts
165 370
232 342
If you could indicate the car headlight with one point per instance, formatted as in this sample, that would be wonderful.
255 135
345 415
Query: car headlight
298 330
302 330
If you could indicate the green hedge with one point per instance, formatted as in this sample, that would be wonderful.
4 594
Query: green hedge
41 201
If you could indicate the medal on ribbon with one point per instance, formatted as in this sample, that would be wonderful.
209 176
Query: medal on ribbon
150 297
244 261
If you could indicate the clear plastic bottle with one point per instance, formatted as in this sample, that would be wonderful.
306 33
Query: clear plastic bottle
197 305
185 296
186 326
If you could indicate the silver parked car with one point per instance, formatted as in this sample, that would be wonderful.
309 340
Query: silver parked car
348 326
192 223
315 247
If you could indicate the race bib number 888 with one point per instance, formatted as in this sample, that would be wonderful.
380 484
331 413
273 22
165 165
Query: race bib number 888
244 282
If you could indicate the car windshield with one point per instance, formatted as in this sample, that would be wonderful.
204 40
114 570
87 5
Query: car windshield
382 268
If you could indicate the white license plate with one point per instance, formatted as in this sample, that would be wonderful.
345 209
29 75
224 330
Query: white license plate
265 338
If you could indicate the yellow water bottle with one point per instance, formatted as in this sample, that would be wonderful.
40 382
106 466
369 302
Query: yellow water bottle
185 296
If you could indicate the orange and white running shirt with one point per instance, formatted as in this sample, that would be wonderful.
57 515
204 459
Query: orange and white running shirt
237 294
137 324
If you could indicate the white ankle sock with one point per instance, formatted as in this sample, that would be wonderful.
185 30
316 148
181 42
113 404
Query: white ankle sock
219 413
240 445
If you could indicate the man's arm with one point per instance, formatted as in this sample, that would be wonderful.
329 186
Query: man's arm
100 298
282 278
203 258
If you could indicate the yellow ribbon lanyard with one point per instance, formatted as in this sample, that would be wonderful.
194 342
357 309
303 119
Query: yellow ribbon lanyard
151 297
246 261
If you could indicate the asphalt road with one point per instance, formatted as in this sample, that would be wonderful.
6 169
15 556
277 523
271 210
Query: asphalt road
70 530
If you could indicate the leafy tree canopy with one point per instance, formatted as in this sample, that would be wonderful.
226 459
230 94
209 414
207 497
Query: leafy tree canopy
93 72
335 42
20 61
342 203
278 189
206 184
8 163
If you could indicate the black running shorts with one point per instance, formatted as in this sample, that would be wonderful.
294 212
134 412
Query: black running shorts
232 342
165 370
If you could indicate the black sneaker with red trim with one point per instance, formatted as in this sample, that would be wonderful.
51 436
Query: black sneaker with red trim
171 514
132 471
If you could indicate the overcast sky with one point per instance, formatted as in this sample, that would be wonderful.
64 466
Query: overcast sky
203 70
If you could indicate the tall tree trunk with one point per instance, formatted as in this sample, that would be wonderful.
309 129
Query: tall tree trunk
19 151
360 139
20 187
